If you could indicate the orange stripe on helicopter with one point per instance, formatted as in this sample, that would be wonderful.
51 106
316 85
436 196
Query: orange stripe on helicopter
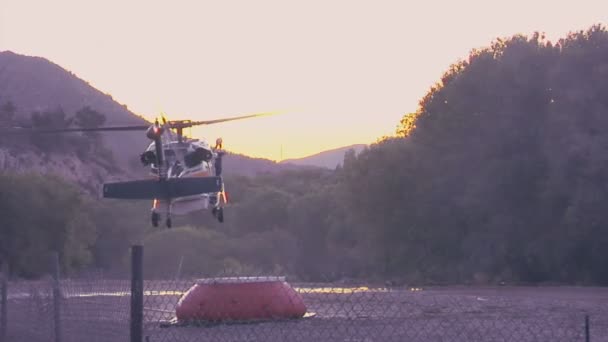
199 174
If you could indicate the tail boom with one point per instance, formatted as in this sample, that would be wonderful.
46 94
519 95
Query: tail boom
150 189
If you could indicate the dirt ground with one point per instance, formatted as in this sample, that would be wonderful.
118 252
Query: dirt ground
99 311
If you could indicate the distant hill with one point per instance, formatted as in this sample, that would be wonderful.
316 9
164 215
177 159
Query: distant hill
328 159
238 164
36 84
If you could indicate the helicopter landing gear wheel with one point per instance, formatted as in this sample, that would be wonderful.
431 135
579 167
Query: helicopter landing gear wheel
218 213
155 218
169 223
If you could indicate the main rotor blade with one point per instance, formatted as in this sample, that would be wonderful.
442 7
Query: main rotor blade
20 130
211 122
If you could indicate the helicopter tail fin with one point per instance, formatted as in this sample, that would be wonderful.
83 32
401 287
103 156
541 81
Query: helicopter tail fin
150 189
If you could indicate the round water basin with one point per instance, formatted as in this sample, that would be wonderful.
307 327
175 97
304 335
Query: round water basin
240 299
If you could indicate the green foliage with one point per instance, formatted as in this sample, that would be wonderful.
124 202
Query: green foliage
309 223
89 146
87 117
86 146
39 215
50 119
7 120
54 119
200 249
119 225
7 114
503 167
263 209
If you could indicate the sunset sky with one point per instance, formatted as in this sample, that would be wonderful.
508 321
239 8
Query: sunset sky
344 71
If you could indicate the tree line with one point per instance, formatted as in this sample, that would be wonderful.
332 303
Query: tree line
86 146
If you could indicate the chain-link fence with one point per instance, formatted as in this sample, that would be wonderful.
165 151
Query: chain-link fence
359 312
222 307
86 310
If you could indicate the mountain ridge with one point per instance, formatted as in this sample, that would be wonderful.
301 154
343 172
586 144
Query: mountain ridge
35 84
328 159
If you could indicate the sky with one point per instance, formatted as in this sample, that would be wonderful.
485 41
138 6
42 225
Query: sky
343 72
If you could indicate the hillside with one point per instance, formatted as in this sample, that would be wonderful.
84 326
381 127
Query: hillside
328 159
241 165
36 84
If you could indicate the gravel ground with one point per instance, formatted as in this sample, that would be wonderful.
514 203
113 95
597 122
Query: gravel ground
99 311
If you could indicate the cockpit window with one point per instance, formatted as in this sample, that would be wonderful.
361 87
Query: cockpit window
173 155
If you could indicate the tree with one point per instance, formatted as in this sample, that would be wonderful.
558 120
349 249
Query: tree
264 209
53 119
41 214
407 124
86 117
7 114
504 158
91 144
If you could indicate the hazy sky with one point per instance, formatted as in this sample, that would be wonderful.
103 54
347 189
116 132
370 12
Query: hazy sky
345 70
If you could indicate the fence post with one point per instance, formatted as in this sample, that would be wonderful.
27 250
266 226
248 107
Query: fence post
587 334
56 296
4 302
137 293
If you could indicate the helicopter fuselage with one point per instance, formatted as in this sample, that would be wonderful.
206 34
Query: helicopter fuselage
185 159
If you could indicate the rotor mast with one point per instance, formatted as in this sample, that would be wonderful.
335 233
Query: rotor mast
178 126
155 133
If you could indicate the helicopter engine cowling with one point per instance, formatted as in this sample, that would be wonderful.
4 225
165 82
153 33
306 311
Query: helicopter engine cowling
197 156
147 158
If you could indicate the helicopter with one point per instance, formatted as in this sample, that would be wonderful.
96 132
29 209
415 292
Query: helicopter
185 173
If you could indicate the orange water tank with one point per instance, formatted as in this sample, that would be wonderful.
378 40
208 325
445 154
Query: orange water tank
240 299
